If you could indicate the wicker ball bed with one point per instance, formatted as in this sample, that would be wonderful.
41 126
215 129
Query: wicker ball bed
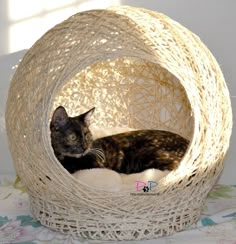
141 70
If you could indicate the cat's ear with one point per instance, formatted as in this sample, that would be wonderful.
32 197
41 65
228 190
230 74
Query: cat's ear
59 117
86 117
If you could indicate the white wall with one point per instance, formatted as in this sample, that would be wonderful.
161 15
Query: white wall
7 64
213 20
23 22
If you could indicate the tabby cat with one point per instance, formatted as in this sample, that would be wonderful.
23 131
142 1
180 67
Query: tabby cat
129 152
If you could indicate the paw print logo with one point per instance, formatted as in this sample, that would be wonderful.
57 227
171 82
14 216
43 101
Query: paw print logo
145 188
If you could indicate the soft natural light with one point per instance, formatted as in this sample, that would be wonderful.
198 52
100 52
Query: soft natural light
21 36
29 20
97 4
20 10
54 4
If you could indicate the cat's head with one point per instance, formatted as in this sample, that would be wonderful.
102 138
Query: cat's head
70 136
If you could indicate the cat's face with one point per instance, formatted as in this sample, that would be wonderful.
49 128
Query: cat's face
70 136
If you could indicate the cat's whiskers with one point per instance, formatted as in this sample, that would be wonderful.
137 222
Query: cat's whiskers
98 152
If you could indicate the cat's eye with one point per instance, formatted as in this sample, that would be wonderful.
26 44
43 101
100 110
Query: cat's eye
72 137
87 136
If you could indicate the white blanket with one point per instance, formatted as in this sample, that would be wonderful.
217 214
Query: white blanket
110 180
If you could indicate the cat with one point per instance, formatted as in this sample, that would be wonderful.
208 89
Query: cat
128 152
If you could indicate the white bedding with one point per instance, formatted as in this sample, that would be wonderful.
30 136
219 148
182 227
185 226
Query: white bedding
110 180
